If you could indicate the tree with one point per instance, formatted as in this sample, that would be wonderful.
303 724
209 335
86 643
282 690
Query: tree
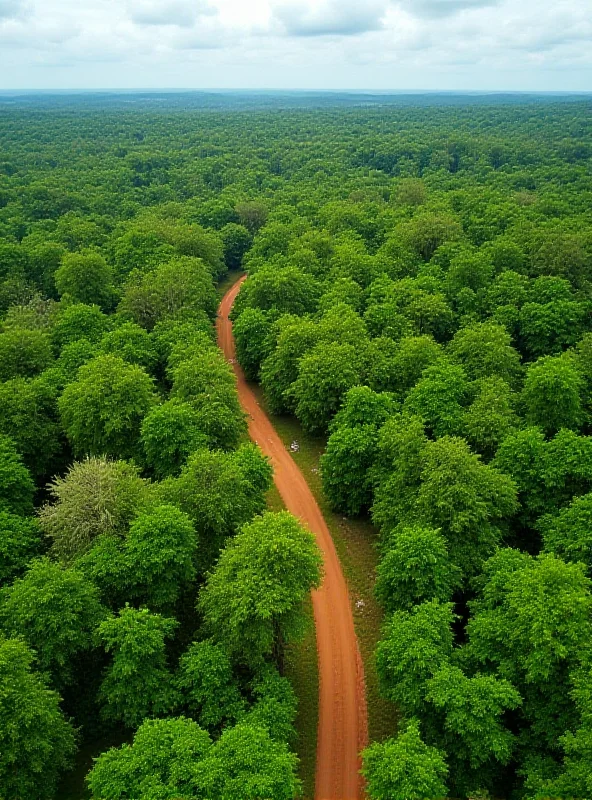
414 355
170 434
55 610
132 343
237 240
414 646
288 290
28 417
252 214
474 729
427 231
491 416
280 368
180 283
36 741
342 291
529 642
73 356
253 600
207 382
568 534
485 350
96 497
324 376
158 554
551 394
86 278
352 447
547 473
137 683
16 485
20 540
208 686
251 332
345 468
534 644
23 353
401 445
405 768
220 492
438 398
415 567
246 762
103 409
160 762
275 705
466 499
78 321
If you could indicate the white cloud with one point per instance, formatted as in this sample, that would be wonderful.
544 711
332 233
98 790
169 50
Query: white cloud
182 13
331 17
386 44
10 9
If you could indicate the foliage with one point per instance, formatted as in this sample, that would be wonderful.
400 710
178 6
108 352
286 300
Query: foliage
137 683
97 496
181 283
252 601
55 610
23 353
415 568
20 540
102 410
206 680
170 433
36 741
405 768
220 492
16 485
86 278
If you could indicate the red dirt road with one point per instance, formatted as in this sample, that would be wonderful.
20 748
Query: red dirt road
342 728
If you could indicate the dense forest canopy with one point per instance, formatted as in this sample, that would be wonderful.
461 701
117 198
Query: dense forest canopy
419 291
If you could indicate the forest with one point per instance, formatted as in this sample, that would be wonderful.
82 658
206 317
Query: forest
418 299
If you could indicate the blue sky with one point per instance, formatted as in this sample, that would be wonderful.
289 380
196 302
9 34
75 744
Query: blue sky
542 45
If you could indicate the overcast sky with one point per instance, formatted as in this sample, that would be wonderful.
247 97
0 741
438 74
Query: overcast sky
292 44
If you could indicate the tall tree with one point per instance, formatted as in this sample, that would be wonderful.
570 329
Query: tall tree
253 600
36 741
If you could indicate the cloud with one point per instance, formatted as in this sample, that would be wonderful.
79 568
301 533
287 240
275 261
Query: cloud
331 17
181 13
444 8
10 9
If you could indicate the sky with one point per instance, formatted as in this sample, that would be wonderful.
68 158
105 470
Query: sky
387 45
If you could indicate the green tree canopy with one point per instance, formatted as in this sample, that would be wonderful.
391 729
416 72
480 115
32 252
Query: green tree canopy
552 394
96 496
415 567
16 485
137 683
253 600
36 741
405 768
86 278
170 433
23 353
103 409
208 686
414 646
20 540
55 610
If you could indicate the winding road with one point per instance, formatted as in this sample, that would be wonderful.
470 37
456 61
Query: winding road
342 728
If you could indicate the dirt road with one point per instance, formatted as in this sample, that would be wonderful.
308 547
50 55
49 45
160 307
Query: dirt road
342 730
